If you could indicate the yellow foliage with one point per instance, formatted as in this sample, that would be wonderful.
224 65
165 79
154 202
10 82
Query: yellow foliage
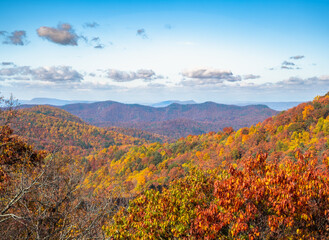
229 140
221 151
245 138
206 156
199 155
307 110
316 98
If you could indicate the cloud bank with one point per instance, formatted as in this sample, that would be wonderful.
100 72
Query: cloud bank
54 74
297 82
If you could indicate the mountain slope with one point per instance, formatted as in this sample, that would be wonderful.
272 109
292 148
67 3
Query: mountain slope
174 120
269 181
54 129
304 128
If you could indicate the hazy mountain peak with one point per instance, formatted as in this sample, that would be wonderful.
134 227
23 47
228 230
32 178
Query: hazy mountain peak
169 102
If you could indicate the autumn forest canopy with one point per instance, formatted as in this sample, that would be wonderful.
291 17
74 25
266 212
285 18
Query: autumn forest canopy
61 177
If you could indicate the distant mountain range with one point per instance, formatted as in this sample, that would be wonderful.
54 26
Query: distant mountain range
61 102
279 106
175 120
172 118
50 101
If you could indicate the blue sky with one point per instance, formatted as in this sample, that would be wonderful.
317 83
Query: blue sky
142 51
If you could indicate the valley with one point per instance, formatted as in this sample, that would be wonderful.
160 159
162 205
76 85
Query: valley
133 164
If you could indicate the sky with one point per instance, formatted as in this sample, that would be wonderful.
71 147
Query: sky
224 51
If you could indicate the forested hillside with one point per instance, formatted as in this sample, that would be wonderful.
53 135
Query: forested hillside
54 129
267 180
175 120
300 128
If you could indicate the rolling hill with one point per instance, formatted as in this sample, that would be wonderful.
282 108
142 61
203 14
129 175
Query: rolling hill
54 129
175 120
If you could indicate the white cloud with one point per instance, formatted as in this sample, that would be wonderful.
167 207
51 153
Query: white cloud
250 76
63 34
203 76
127 76
48 74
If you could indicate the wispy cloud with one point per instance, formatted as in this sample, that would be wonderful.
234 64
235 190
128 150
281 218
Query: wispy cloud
286 63
7 64
289 65
14 38
297 57
96 43
286 67
99 46
142 33
90 25
63 34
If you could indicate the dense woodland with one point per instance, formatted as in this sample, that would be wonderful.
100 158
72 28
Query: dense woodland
61 178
